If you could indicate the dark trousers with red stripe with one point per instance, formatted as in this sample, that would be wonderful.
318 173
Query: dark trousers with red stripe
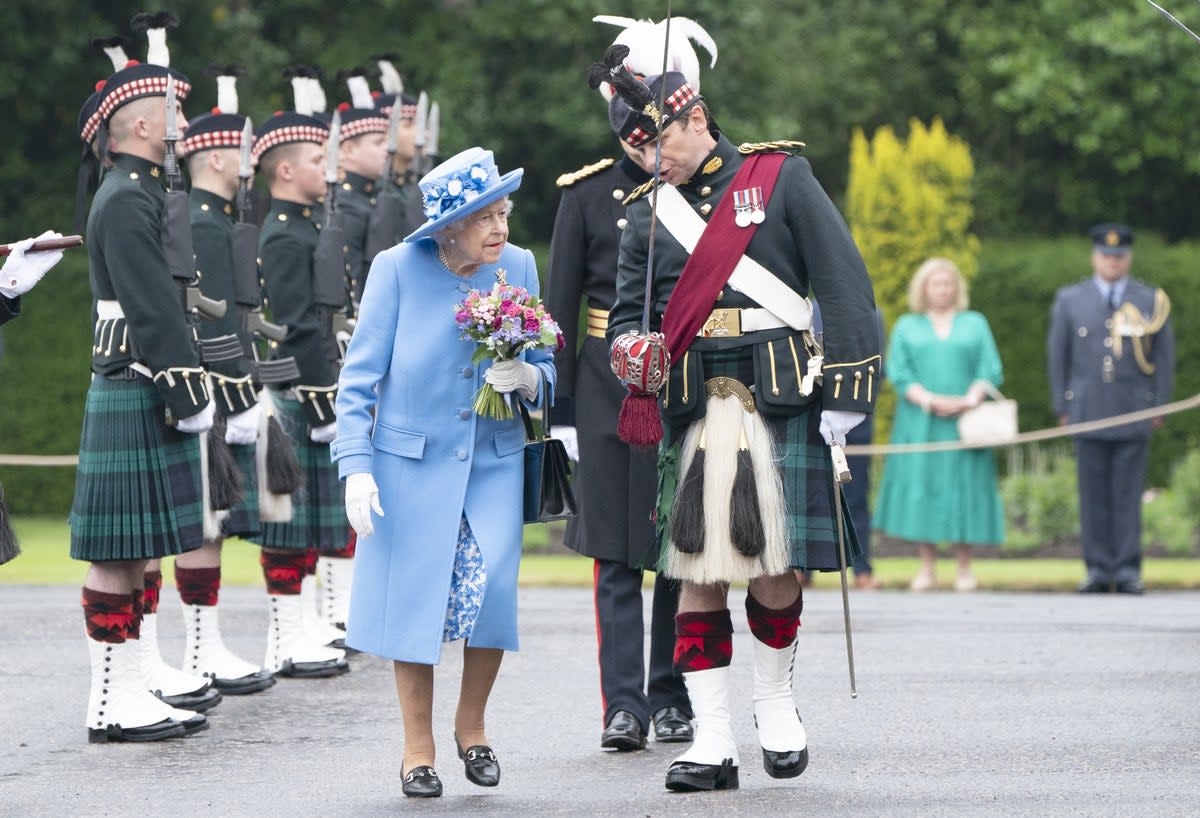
620 629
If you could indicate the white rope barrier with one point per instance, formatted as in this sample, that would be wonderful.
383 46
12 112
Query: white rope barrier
883 448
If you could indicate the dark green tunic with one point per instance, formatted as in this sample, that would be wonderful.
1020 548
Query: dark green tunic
355 201
402 219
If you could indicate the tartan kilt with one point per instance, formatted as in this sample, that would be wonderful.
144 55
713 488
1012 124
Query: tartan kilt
319 507
138 486
242 520
805 468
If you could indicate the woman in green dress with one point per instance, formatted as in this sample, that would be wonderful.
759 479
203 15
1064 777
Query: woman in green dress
940 357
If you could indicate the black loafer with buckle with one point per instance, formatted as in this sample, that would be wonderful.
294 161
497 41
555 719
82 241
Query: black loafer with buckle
482 767
422 782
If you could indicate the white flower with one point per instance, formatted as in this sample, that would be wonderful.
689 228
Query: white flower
454 187
478 173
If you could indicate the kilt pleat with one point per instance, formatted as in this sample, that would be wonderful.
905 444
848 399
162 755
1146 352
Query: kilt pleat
805 468
319 508
242 520
138 485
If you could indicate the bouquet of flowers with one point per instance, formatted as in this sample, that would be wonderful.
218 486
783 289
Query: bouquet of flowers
503 321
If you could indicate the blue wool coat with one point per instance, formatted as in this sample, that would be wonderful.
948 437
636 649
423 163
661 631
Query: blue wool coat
404 415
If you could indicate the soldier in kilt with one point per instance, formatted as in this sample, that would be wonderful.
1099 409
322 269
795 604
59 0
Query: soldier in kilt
290 150
745 479
139 487
212 149
614 484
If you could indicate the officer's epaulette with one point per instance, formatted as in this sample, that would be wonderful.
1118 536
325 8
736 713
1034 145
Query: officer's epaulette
638 192
568 179
789 145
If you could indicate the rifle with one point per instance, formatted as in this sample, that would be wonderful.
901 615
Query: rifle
388 210
330 284
177 225
422 128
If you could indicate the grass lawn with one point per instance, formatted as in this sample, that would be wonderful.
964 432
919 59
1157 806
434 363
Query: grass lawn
44 561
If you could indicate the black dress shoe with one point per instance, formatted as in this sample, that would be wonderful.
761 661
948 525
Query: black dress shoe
197 701
671 725
624 732
688 776
480 762
1130 586
422 782
250 683
1095 586
786 764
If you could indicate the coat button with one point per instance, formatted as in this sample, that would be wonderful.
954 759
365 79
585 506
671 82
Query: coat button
468 372
705 209
1083 332
461 454
464 414
1069 395
462 288
618 194
1107 342
706 191
621 223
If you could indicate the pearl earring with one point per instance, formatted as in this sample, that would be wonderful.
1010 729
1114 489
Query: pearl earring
452 240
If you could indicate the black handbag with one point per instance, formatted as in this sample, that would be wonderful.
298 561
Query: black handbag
548 492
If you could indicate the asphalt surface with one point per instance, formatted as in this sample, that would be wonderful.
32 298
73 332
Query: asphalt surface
981 704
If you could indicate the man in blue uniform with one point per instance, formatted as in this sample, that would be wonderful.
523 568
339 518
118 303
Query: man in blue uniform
1111 350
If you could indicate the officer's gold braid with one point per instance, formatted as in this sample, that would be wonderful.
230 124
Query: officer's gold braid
1130 316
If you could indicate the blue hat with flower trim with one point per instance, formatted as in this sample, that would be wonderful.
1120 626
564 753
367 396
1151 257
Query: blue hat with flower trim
463 184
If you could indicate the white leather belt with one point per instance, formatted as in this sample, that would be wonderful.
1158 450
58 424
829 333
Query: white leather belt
109 310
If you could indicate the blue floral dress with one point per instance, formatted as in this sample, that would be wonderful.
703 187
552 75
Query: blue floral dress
467 584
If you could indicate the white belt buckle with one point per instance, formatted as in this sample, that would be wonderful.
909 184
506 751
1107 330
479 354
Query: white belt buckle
809 381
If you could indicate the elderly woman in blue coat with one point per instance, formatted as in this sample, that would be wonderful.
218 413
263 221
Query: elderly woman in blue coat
434 490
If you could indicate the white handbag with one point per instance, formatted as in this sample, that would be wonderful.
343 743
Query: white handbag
993 421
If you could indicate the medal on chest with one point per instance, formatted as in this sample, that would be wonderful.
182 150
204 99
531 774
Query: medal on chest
748 207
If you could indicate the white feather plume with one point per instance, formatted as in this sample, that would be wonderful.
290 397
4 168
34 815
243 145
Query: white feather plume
389 77
360 92
301 97
227 97
116 53
316 95
157 52
645 39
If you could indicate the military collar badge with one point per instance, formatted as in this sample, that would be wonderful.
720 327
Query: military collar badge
712 165
748 207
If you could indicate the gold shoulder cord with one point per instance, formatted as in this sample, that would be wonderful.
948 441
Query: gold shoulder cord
747 148
1130 316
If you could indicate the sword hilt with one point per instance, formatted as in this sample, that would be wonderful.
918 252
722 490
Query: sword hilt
841 468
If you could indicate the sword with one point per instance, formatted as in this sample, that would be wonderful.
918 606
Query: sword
1175 20
421 124
841 474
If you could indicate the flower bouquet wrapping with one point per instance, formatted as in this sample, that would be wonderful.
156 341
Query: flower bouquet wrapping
504 321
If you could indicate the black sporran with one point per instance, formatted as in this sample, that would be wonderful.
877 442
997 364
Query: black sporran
548 493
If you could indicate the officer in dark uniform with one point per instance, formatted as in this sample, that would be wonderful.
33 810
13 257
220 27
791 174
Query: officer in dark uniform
1111 350
213 147
139 488
21 271
614 484
362 162
290 149
747 428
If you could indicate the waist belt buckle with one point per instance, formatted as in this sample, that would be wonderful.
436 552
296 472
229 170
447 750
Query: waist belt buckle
725 323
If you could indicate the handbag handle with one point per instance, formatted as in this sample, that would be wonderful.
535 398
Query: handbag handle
530 436
990 390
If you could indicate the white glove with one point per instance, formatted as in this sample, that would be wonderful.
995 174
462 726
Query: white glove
199 422
362 497
21 271
835 424
242 429
514 376
569 438
323 434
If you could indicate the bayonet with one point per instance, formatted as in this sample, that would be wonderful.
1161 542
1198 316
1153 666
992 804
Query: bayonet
170 165
332 148
1175 20
422 121
435 122
245 171
393 133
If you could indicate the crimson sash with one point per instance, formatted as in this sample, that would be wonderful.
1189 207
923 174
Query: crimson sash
721 246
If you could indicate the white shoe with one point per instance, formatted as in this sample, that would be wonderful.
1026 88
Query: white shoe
175 687
780 730
712 760
290 652
207 656
119 706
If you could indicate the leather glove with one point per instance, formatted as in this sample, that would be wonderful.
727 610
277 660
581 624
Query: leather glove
362 497
835 424
514 376
200 422
242 429
323 434
21 271
570 440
